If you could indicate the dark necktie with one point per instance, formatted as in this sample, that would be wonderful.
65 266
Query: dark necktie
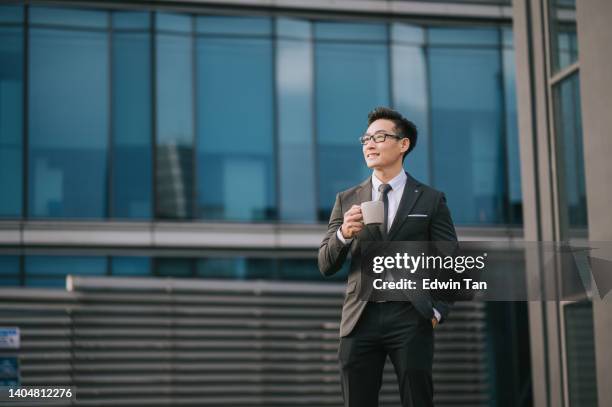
384 191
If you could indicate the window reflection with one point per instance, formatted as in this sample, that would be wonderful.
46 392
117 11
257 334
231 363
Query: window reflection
174 115
352 71
11 111
570 155
564 41
68 128
466 120
236 160
132 159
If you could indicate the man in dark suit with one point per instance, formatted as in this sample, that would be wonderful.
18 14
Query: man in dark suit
372 330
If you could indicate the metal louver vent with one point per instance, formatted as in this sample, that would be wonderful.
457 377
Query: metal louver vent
164 342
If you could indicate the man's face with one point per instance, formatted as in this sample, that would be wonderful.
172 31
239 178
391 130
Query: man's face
385 154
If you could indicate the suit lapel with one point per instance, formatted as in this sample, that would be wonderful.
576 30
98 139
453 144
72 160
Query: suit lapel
412 192
364 195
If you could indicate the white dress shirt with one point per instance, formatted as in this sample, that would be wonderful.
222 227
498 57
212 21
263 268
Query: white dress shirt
394 196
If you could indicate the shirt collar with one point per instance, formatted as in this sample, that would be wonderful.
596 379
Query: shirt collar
396 182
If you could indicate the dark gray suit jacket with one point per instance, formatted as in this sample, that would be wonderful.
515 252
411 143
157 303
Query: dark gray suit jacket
417 198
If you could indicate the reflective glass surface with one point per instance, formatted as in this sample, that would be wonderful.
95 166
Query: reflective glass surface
563 37
175 118
514 214
352 77
295 84
239 268
213 117
9 271
410 92
51 271
132 161
11 111
570 155
466 123
68 119
129 266
235 130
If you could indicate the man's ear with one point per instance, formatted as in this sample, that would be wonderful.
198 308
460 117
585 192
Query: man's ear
406 143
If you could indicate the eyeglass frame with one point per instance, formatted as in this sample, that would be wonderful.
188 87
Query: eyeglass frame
371 137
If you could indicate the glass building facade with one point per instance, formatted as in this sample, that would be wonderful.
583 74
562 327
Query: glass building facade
143 115
150 115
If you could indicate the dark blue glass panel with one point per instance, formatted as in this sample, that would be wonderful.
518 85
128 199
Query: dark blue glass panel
568 126
130 20
236 161
131 266
410 93
11 119
174 267
175 123
68 17
351 32
132 171
238 268
68 123
180 23
515 196
468 147
351 79
294 84
9 271
11 14
219 25
9 265
51 271
471 37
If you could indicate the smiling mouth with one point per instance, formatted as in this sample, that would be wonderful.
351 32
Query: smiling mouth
372 155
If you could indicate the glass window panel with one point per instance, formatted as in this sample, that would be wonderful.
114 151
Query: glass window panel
11 120
350 32
131 266
294 84
468 162
515 197
68 123
351 79
68 17
131 20
570 154
407 34
294 29
472 37
51 271
563 36
174 148
11 14
174 267
410 94
131 140
580 354
233 25
9 266
238 268
236 160
173 22
308 270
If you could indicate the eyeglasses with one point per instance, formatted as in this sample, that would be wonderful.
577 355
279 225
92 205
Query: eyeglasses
378 138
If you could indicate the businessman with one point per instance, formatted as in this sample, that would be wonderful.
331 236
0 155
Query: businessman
372 330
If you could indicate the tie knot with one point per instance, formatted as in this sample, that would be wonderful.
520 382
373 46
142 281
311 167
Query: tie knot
384 190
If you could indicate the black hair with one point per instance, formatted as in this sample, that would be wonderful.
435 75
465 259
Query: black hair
404 127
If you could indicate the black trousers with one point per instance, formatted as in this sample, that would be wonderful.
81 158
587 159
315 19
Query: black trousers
395 329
